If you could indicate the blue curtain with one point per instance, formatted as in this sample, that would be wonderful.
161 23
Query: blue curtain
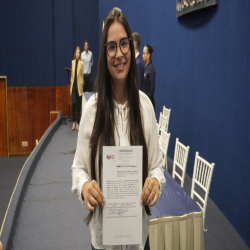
39 38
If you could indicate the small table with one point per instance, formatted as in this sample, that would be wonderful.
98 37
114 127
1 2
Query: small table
176 221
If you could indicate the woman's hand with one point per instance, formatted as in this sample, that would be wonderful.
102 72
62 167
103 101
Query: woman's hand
93 195
150 192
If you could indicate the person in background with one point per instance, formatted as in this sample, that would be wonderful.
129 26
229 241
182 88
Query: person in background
76 87
117 115
138 57
87 58
149 73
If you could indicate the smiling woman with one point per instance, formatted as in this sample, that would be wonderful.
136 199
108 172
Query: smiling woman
119 63
117 115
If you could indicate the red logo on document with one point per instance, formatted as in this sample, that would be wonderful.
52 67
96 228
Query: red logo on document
109 157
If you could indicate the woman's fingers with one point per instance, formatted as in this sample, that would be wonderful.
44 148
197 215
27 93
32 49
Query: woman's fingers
145 191
97 193
150 192
151 197
89 206
93 195
152 201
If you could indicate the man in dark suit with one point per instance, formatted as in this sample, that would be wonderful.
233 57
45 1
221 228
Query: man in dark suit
139 61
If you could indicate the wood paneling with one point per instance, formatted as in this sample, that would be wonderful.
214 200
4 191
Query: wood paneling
3 117
20 119
29 114
63 100
44 99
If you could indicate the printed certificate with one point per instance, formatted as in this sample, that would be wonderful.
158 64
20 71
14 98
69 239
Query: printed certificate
122 188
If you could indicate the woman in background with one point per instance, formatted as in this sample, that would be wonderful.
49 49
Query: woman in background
149 73
76 87
117 115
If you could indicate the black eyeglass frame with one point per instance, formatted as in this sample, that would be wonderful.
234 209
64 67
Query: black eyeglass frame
119 46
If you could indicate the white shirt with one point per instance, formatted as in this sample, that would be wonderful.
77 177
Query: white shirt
137 55
87 58
81 165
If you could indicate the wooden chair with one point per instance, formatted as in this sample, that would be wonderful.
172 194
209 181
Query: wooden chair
164 141
159 124
166 113
163 128
202 176
163 123
180 161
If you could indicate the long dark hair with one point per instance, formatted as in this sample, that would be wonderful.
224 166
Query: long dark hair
103 130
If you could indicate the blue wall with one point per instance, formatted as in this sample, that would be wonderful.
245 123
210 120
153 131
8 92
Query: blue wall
202 66
39 38
202 73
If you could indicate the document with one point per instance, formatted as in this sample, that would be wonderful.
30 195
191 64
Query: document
122 188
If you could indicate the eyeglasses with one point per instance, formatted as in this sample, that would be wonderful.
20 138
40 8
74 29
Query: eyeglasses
124 45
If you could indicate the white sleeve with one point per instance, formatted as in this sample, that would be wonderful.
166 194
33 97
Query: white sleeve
81 165
154 158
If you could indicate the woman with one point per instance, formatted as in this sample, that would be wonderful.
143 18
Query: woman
109 115
149 73
76 87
